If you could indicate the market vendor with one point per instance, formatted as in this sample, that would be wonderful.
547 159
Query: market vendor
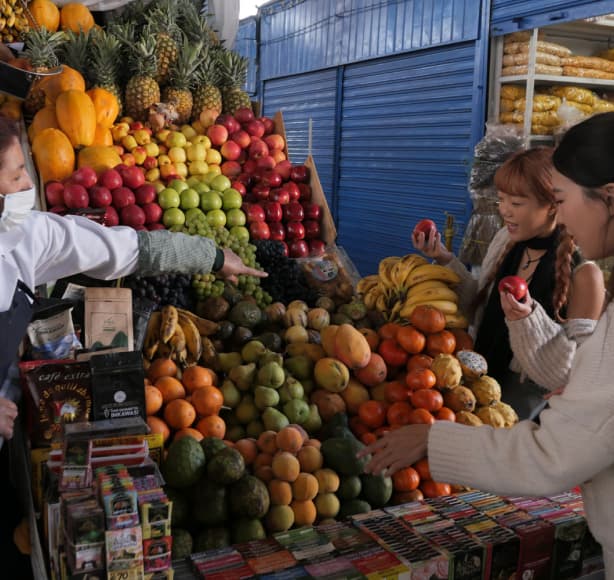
529 345
37 247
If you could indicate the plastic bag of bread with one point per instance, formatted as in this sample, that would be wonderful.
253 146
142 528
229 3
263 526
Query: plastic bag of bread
542 129
512 92
586 109
540 103
523 58
547 118
542 46
540 68
589 73
603 106
589 62
507 105
607 54
577 94
522 36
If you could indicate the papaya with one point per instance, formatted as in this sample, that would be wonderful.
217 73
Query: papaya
327 339
351 347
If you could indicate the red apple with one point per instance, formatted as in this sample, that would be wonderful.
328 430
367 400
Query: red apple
293 190
279 194
153 212
275 141
258 173
283 168
515 285
84 176
278 156
111 179
293 211
260 192
278 231
75 196
229 122
317 247
272 179
265 162
257 149
245 178
312 229
230 150
150 162
59 209
239 185
100 196
244 115
259 231
110 217
253 212
272 211
218 134
54 192
156 226
255 128
122 196
295 231
145 193
132 215
298 249
231 169
133 177
305 191
312 210
299 173
250 166
128 159
269 125
136 125
241 138
427 227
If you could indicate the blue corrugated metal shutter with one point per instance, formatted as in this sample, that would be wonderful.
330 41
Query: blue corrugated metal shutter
246 44
300 98
405 149
511 15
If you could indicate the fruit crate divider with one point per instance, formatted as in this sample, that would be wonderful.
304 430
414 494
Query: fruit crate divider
327 224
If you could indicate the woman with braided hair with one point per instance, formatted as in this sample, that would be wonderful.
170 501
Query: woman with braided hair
529 345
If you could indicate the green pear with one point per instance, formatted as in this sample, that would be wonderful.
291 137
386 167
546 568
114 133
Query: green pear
235 433
274 420
243 376
314 422
291 389
254 428
271 375
265 397
252 350
270 356
297 411
246 410
232 395
229 360
300 366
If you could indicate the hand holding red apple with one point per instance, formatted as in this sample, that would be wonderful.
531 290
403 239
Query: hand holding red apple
427 239
513 308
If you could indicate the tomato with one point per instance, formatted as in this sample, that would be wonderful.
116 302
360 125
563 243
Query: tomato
396 391
412 340
422 467
399 413
372 413
388 330
406 479
371 336
429 399
445 414
368 438
420 379
432 488
440 342
392 353
419 361
428 319
421 416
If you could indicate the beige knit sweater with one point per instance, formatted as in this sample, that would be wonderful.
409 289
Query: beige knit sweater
543 349
573 444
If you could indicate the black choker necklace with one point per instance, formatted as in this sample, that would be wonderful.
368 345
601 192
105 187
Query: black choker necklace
543 243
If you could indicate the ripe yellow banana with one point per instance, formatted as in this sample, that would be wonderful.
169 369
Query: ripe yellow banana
426 285
169 323
205 327
384 268
433 294
431 272
152 335
372 295
456 321
446 306
364 284
193 339
177 341
381 304
209 355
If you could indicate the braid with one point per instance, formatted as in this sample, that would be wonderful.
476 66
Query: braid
482 294
562 272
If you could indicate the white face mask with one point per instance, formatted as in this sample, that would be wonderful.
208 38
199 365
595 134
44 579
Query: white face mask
17 207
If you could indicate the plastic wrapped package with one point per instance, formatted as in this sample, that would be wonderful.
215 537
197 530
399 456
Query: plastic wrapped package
603 106
589 62
589 73
507 105
522 36
523 58
498 143
542 46
586 109
483 224
540 103
578 94
512 92
544 69
607 54
482 173
547 118
569 115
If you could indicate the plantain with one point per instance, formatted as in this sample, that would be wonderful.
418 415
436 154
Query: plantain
177 341
446 307
426 285
395 312
169 323
431 272
381 303
152 335
456 320
205 327
209 354
193 340
383 270
370 298
365 284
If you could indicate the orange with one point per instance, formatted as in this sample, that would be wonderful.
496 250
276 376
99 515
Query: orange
267 442
161 367
170 388
263 459
212 426
188 432
207 400
179 414
248 448
158 426
153 399
422 467
289 439
196 377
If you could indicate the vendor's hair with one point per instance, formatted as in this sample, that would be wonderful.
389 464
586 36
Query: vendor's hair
8 133
527 173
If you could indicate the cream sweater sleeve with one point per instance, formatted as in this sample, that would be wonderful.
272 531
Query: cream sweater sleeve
544 349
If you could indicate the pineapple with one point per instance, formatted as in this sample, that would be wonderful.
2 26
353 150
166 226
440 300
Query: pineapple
142 90
105 63
233 70
74 51
40 48
207 97
182 79
162 21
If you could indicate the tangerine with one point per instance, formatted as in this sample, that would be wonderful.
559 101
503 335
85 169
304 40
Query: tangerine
289 439
396 391
161 367
170 388
372 413
411 339
196 377
179 414
388 330
419 361
188 432
157 425
248 448
406 479
422 467
399 413
153 400
432 488
445 414
267 442
208 400
212 426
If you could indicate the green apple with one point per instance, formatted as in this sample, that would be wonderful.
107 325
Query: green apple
231 199
210 200
159 186
235 217
209 177
168 198
178 185
193 213
241 233
216 218
189 198
220 182
175 139
192 181
201 186
173 217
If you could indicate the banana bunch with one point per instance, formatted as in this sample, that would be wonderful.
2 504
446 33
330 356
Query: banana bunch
403 283
177 334
13 20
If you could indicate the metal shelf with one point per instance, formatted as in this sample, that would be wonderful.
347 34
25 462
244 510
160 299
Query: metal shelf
541 78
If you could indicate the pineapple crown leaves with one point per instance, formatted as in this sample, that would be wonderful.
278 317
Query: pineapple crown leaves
42 46
142 57
185 73
74 51
232 68
105 57
194 24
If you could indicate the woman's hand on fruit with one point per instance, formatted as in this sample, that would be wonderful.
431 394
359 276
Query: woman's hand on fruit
234 266
513 309
8 414
431 247
396 449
